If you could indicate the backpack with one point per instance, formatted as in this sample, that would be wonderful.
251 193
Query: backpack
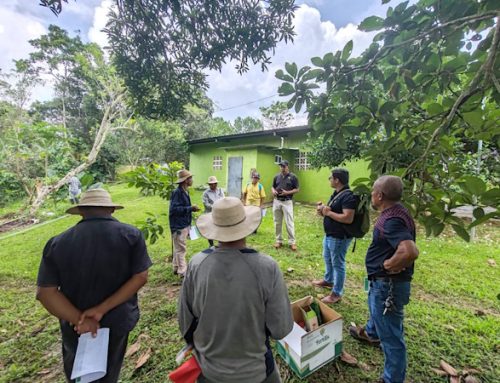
260 186
361 223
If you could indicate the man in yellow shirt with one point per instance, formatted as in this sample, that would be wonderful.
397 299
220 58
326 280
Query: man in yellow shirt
254 193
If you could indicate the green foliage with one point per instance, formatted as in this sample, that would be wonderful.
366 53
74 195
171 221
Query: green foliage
151 229
276 116
413 104
164 72
155 179
247 124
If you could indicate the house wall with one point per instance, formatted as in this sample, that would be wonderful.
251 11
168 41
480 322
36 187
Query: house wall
314 184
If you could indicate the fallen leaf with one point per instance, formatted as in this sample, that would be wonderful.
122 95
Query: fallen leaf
439 371
290 270
454 379
449 369
44 371
471 379
492 262
143 359
133 349
348 358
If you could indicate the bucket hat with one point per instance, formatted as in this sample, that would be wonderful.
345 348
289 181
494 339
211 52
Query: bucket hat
212 180
183 175
94 198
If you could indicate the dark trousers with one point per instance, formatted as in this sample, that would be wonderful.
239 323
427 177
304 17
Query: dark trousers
116 352
210 242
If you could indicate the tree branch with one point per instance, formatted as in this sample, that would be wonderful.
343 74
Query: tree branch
471 89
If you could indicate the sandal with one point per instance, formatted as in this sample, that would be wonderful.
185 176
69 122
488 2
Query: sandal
359 333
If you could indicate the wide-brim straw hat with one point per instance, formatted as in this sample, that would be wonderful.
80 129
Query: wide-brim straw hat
212 180
183 175
94 198
229 220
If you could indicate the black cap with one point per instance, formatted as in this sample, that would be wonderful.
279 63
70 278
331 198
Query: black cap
284 163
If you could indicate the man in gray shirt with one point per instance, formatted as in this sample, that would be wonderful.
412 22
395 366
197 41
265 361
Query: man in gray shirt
233 299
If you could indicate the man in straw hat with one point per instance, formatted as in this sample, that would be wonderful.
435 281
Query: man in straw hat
180 216
89 277
233 299
210 195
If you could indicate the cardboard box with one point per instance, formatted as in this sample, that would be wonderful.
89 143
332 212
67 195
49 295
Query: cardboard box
306 352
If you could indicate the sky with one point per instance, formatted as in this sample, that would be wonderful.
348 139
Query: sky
321 26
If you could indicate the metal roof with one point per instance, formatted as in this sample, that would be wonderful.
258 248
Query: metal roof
283 132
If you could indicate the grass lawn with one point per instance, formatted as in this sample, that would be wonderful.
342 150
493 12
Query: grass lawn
454 313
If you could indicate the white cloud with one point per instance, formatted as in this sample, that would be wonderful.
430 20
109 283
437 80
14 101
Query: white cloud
100 19
314 38
13 38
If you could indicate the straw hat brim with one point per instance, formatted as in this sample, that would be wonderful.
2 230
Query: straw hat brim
209 230
75 210
181 180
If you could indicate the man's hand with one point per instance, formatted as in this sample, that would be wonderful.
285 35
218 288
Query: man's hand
87 325
405 255
195 208
325 210
96 313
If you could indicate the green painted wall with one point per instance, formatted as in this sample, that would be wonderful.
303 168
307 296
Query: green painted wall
259 153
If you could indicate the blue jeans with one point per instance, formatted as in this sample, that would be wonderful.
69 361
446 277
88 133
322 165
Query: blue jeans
389 327
334 251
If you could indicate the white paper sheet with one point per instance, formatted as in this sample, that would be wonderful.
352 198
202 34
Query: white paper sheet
294 339
91 358
264 212
193 233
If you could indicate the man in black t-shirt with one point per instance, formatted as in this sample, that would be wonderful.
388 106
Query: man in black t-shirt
89 277
389 263
285 185
338 212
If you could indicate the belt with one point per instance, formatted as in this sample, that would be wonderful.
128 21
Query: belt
283 199
387 279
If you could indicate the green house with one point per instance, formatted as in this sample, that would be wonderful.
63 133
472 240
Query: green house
232 158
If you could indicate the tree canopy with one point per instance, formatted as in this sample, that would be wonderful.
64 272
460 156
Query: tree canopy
161 47
418 100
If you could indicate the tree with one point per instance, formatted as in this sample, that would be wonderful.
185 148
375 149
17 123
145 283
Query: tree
111 95
247 124
426 88
55 54
161 47
276 116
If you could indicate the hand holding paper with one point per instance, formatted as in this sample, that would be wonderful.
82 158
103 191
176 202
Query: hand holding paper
91 357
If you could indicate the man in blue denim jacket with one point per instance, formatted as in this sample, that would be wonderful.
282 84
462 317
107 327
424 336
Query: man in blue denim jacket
390 264
180 215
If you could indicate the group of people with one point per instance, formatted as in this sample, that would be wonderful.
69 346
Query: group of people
89 275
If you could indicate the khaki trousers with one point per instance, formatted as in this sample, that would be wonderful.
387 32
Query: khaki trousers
284 209
179 239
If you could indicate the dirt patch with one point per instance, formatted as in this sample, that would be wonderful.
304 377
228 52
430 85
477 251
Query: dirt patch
17 223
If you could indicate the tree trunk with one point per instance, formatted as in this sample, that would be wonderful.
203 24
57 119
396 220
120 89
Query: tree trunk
98 142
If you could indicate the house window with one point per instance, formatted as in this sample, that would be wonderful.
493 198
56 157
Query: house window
301 161
277 159
217 163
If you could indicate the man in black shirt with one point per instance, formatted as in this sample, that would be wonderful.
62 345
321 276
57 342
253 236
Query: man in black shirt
89 277
337 212
285 185
389 263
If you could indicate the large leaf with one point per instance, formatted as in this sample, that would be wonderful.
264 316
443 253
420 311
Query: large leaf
460 230
372 23
317 61
475 118
286 89
491 197
434 108
282 76
388 107
291 69
346 52
475 185
484 218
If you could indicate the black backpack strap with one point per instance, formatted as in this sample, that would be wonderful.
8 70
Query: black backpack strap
354 246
